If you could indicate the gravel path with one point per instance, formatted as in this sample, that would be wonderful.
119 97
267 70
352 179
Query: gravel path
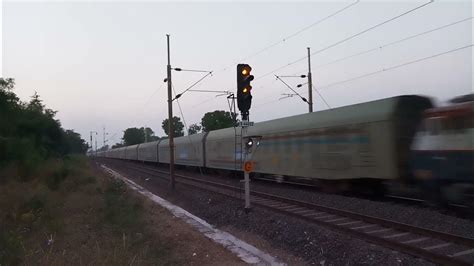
310 243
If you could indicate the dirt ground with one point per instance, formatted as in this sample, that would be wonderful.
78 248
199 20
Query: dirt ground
189 245
85 221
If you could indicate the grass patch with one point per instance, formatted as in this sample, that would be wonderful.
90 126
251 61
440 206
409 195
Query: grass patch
70 213
121 210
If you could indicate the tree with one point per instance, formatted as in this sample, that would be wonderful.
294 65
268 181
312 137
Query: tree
218 120
117 145
29 131
150 135
177 127
194 129
73 142
133 136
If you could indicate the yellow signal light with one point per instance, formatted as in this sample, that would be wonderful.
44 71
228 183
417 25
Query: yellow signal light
245 90
246 70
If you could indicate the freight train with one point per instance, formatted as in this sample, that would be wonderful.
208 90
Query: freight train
356 146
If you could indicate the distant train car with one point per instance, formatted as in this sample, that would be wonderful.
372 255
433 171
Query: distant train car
121 153
131 152
443 148
221 150
189 150
148 152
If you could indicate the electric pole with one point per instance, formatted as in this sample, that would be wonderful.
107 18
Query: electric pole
92 148
310 83
170 117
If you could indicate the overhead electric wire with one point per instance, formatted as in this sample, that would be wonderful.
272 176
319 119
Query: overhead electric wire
185 125
320 95
391 43
393 67
289 87
377 72
180 110
146 103
348 38
194 84
299 31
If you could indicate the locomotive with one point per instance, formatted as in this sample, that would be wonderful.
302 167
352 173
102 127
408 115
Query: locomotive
443 151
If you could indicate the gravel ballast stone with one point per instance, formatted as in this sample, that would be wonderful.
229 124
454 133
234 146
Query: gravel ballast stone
311 243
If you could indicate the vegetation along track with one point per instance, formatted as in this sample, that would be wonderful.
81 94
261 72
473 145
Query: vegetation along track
438 247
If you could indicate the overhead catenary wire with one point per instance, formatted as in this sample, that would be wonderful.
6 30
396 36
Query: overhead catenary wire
180 110
190 87
302 98
377 72
286 38
185 126
393 67
321 96
390 44
348 38
139 111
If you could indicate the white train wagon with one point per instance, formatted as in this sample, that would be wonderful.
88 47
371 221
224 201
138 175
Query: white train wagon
189 150
148 152
121 153
363 141
221 151
131 152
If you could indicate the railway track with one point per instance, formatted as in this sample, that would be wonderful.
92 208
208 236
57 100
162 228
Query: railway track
434 246
461 210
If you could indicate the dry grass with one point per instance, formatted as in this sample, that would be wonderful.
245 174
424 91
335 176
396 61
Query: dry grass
70 214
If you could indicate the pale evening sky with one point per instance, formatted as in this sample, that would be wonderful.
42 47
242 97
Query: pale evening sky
103 63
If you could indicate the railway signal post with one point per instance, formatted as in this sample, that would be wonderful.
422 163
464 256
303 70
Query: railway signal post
244 102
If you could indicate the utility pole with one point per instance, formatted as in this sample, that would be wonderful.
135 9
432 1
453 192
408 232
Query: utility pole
103 132
310 83
92 147
170 117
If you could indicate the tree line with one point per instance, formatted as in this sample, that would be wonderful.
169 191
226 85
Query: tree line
29 131
210 121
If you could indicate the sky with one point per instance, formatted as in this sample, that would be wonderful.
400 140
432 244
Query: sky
102 63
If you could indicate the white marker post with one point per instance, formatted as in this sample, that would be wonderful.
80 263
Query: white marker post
248 164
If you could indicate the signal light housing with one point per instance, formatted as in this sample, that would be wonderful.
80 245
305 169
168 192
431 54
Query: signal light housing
244 89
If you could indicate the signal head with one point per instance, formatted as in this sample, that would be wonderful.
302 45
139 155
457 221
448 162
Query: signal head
244 89
247 89
246 70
